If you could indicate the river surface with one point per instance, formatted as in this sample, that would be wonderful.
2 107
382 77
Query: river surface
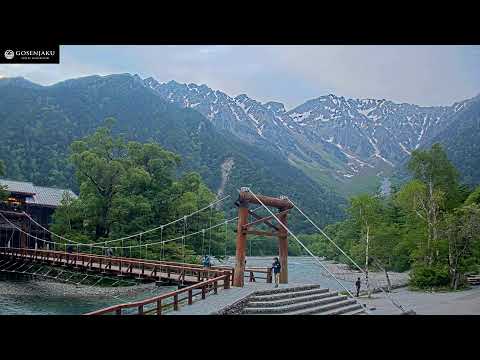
34 297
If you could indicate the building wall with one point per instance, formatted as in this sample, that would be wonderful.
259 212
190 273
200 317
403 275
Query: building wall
42 215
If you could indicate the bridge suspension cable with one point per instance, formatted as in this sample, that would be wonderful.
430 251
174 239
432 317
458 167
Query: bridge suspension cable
92 245
305 248
133 235
396 304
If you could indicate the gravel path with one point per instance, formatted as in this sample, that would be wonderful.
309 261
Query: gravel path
466 302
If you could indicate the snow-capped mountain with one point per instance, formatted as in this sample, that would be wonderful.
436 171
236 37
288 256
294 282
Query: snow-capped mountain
252 121
337 136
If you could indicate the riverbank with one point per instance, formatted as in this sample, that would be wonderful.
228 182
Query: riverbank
465 302
42 297
304 269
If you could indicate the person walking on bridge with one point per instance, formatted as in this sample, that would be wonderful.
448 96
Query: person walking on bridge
276 267
109 252
357 284
206 261
206 264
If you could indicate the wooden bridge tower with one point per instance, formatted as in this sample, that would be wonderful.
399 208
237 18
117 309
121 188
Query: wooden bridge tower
283 206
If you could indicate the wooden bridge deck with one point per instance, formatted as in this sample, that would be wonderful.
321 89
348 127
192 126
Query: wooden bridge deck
142 269
152 270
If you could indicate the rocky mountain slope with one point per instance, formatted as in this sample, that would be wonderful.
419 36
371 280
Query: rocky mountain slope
332 139
38 123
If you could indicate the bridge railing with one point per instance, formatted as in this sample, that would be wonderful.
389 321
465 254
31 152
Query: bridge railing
159 303
121 265
146 268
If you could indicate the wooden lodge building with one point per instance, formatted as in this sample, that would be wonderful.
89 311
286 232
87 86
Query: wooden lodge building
38 202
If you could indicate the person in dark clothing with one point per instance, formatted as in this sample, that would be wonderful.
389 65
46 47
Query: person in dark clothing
206 265
206 261
276 267
69 248
357 284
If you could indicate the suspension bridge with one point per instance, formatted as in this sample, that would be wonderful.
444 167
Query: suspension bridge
68 260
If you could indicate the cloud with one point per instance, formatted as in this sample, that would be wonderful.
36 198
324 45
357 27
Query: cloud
424 75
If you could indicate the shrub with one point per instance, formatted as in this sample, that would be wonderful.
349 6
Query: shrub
423 276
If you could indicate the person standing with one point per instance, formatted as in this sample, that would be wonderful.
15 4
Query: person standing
276 267
357 284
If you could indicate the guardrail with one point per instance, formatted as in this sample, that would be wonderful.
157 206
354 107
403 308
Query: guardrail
127 266
159 302
123 266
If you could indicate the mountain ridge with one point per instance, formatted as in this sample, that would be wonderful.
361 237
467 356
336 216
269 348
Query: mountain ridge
335 140
39 123
329 137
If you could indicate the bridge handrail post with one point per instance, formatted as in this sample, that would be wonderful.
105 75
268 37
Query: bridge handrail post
159 307
190 297
175 302
215 286
226 280
269 275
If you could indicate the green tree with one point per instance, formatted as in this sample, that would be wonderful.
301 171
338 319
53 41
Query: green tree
432 168
433 191
461 229
99 162
426 203
3 191
366 211
129 187
474 197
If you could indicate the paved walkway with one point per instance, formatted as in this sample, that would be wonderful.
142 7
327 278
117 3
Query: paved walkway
224 298
465 302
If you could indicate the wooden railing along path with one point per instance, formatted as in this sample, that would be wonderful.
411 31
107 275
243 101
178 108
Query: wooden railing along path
159 303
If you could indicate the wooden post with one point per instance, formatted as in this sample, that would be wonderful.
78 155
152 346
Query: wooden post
190 297
269 275
241 244
175 302
23 235
226 281
283 248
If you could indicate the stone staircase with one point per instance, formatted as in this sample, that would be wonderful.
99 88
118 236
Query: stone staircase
301 300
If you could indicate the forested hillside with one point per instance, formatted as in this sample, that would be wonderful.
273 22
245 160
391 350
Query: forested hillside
40 122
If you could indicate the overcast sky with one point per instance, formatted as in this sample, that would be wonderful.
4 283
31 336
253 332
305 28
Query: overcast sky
423 75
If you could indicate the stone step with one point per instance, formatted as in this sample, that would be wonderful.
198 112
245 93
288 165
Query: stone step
291 300
288 295
357 311
326 309
286 290
346 310
295 307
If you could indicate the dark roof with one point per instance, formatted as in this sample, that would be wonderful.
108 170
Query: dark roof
18 186
38 195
